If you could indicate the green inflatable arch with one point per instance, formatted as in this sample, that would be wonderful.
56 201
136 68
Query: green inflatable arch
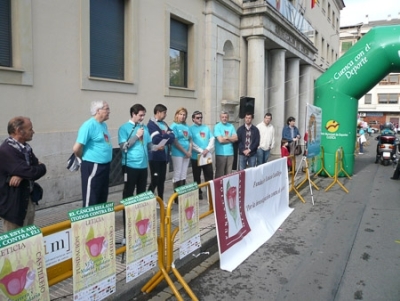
338 90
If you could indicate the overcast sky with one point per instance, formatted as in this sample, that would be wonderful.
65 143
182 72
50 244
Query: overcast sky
355 11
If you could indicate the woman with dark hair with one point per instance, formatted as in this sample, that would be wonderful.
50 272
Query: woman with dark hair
291 133
285 153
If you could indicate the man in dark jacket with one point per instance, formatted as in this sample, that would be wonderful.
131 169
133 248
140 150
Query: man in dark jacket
248 140
158 159
19 168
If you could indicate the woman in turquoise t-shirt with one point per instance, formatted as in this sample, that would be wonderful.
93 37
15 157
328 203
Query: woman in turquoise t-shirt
182 147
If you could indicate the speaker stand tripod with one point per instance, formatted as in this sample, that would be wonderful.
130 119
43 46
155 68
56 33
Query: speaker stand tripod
306 177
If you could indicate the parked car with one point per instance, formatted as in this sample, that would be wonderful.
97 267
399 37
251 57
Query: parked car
374 130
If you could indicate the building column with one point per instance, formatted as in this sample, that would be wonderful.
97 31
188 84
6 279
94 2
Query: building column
256 75
292 89
306 95
277 95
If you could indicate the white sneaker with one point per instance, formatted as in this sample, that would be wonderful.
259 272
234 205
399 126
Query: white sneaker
158 205
361 153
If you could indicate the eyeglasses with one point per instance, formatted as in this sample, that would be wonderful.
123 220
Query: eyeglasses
105 109
200 117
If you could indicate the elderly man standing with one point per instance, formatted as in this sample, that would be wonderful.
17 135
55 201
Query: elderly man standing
267 139
225 135
203 144
19 168
93 146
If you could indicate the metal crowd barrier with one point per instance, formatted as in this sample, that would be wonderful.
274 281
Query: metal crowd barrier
64 270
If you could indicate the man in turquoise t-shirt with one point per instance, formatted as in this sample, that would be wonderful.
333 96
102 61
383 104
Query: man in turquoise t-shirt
225 135
135 142
93 146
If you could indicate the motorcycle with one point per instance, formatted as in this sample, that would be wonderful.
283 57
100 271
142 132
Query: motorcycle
386 149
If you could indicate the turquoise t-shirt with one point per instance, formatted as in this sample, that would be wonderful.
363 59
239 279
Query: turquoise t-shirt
137 155
96 141
201 136
223 130
182 135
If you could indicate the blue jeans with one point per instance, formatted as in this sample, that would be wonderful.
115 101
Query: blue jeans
262 156
247 161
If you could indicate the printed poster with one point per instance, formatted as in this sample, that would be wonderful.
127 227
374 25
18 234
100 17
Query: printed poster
249 206
93 251
313 130
189 230
23 275
141 231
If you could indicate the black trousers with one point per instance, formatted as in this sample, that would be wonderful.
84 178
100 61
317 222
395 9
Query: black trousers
136 179
95 178
207 169
158 170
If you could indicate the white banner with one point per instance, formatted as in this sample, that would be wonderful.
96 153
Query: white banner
249 206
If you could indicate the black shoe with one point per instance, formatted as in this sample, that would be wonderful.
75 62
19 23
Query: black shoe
393 178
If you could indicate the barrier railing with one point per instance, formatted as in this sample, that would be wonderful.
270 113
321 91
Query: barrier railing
322 159
338 169
63 270
165 241
164 270
292 174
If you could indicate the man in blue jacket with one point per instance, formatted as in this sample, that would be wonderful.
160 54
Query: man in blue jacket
19 168
249 140
158 159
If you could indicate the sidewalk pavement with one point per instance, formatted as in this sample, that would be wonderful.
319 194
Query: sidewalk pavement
345 247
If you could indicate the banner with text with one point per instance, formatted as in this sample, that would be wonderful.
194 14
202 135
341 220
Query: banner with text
189 230
141 234
23 274
93 251
313 126
249 206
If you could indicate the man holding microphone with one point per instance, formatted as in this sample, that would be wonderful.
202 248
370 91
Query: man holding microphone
135 142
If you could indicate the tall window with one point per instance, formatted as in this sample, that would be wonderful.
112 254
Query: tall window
5 33
388 98
316 39
327 53
107 48
329 12
391 79
346 45
368 99
178 54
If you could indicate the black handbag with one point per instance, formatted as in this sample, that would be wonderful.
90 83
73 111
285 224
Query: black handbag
297 150
37 193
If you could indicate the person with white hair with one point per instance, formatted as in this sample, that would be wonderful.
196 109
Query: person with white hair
93 146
